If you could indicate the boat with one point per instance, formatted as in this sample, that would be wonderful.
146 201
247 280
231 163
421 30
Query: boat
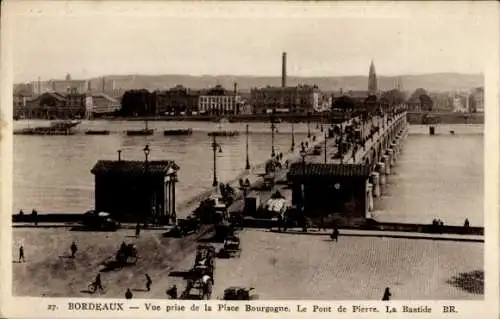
55 128
64 124
224 133
97 132
145 131
178 132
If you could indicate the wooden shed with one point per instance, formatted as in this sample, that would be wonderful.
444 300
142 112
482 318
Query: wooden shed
322 189
136 191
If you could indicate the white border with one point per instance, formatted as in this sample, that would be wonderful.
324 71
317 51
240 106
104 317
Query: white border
37 307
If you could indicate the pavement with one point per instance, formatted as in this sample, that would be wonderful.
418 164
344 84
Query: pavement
277 265
387 234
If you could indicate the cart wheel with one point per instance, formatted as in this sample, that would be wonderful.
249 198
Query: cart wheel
91 288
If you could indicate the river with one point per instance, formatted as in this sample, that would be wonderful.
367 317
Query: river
439 176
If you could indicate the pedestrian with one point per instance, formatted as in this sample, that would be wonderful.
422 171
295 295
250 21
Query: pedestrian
137 230
466 223
21 254
34 214
128 294
148 282
74 249
172 292
335 234
21 213
98 282
387 295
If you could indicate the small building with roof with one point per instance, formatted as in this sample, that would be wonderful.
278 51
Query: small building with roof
322 189
136 191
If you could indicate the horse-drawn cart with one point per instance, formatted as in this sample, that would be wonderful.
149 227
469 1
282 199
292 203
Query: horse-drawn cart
231 247
199 283
127 254
239 293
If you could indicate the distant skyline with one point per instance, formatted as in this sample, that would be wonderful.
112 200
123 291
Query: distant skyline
85 40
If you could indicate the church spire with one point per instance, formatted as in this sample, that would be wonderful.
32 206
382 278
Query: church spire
372 79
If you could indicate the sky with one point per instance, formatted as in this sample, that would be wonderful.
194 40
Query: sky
91 39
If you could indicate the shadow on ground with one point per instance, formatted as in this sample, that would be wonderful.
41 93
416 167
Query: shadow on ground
113 265
181 274
471 282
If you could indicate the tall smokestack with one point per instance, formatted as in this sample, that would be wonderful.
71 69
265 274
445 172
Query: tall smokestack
283 70
103 84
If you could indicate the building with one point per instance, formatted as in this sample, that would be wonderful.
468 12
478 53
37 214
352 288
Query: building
372 80
295 99
322 189
176 100
66 85
136 191
219 101
100 104
478 96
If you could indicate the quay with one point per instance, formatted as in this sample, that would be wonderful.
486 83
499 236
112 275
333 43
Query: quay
329 162
368 256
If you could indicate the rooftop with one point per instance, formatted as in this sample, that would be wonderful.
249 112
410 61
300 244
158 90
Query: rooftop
134 167
328 170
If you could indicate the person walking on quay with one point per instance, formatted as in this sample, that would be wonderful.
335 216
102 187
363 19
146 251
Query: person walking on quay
21 254
387 295
137 230
335 234
466 223
148 282
128 294
34 214
98 282
74 249
172 292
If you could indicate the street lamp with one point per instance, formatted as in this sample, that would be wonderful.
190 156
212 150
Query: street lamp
273 129
247 166
308 124
325 147
119 155
215 147
293 138
146 151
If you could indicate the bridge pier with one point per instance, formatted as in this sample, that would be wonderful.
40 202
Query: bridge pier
385 160
381 171
369 199
390 154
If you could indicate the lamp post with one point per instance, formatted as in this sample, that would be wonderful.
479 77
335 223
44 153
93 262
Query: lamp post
247 166
215 147
293 138
273 129
325 147
308 124
146 151
119 155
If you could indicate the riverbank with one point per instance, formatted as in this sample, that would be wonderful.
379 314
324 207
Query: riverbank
413 118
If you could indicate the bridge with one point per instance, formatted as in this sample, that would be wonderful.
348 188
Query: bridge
351 168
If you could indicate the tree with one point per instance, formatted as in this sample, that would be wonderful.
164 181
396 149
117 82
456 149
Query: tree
418 92
426 103
137 102
344 103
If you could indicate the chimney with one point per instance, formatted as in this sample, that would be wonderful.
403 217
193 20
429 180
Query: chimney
103 84
235 88
283 70
89 86
53 85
